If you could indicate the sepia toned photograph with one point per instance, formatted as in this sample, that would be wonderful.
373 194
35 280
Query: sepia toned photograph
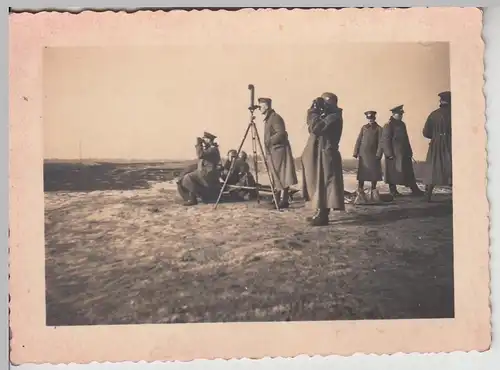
176 192
182 192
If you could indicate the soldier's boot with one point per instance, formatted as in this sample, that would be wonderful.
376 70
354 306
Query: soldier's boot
320 218
415 190
291 193
276 195
394 191
192 201
428 192
284 201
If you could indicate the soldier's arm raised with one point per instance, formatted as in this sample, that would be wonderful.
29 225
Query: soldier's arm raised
312 118
199 150
208 153
318 125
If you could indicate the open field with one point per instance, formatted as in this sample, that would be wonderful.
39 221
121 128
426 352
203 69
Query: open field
120 249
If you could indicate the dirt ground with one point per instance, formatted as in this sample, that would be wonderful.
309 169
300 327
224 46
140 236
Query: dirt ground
127 252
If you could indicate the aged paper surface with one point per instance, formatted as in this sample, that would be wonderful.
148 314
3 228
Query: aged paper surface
33 36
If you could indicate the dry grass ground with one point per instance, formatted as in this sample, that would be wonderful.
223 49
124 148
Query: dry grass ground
121 250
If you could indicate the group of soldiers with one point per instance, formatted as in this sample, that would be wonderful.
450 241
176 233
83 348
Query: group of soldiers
203 179
321 161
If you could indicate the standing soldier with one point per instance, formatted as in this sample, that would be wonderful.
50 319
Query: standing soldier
323 180
368 151
439 156
398 154
204 181
278 151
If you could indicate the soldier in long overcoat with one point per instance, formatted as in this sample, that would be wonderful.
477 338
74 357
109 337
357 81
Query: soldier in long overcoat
278 151
204 181
323 180
368 151
398 154
437 128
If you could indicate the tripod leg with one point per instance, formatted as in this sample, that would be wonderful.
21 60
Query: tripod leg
271 182
255 161
232 167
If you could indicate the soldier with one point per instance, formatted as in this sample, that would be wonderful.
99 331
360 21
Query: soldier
232 156
437 128
243 161
323 180
244 169
398 154
368 151
245 177
278 151
240 176
204 181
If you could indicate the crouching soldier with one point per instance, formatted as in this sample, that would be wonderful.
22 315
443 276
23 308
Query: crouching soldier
368 152
204 181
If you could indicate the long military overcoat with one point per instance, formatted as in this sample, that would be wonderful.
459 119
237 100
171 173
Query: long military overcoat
323 180
438 169
278 151
396 144
204 181
368 150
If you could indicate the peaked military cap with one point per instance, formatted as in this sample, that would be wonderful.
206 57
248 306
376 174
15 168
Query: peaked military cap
398 109
209 136
446 96
370 114
268 101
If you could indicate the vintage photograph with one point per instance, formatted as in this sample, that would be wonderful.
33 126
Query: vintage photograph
215 183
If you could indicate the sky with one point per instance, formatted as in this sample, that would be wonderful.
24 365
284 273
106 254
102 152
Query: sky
152 102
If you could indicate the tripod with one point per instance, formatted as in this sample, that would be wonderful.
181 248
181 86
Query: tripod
256 144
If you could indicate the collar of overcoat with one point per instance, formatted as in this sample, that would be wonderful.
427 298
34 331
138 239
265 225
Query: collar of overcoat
269 114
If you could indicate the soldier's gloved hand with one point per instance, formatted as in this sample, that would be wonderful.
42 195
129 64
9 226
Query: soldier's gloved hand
390 157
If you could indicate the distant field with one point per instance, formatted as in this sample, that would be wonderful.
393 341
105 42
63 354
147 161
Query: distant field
90 175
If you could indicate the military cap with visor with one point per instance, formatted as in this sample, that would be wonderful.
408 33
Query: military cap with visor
370 114
209 136
398 109
267 101
445 96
